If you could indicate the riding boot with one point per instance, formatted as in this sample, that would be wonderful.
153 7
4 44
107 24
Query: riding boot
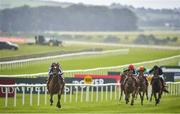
163 85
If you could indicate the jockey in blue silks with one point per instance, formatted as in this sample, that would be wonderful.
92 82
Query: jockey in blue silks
60 72
160 73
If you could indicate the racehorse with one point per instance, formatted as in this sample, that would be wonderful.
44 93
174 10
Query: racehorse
130 88
143 88
157 87
56 86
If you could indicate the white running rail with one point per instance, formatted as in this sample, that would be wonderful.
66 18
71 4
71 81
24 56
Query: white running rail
99 71
93 92
119 51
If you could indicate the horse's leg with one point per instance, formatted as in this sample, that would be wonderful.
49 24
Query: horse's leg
156 100
59 96
136 93
161 93
58 103
132 99
159 97
147 93
127 98
140 97
51 99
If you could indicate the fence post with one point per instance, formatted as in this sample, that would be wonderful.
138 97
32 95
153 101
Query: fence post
119 92
31 96
70 97
102 93
23 96
97 93
6 96
115 92
171 92
106 92
92 93
87 93
14 96
176 89
65 95
45 96
81 93
38 100
76 93
111 92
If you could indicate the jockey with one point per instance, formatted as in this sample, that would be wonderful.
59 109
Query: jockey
160 76
141 71
132 69
60 73
131 73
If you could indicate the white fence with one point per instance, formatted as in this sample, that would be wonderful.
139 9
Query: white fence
50 59
93 93
101 70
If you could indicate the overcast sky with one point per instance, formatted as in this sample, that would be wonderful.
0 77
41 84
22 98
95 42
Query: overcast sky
157 4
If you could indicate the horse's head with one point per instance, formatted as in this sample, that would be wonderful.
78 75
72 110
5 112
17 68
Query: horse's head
55 69
156 72
141 79
130 81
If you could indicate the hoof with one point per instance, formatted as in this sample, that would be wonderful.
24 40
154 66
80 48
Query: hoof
132 104
126 102
58 105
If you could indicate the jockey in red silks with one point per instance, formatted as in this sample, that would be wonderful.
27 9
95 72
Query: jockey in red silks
141 71
131 73
60 72
132 69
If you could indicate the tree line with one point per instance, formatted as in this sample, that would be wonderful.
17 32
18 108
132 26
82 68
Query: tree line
73 18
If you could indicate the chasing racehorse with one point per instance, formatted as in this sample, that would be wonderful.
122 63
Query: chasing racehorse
130 89
157 86
55 85
143 84
143 88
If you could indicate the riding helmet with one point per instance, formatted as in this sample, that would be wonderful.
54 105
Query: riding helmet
131 67
141 68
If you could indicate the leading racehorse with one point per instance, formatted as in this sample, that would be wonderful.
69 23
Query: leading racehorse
55 86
